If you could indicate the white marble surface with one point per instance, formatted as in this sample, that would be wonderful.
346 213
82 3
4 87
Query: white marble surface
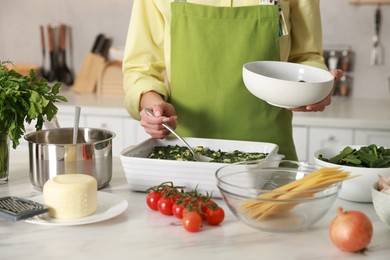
140 233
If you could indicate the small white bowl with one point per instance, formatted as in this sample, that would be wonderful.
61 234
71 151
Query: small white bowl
381 202
357 189
278 83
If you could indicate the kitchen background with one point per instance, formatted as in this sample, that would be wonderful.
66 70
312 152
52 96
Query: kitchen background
345 26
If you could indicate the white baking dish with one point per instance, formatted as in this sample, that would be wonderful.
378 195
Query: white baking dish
143 172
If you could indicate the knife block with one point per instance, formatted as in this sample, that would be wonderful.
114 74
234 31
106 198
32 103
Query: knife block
110 80
86 80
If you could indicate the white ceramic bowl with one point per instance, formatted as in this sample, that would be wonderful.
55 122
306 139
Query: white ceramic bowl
278 83
381 202
357 189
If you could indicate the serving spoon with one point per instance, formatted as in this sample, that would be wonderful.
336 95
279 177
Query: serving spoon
198 157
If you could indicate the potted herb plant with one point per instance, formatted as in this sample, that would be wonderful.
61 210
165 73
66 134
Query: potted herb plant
22 100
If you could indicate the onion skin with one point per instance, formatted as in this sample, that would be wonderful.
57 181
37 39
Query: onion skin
351 231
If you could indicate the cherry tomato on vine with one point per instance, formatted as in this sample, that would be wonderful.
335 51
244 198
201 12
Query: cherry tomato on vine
205 205
169 191
164 205
186 211
192 221
174 198
214 216
177 210
152 199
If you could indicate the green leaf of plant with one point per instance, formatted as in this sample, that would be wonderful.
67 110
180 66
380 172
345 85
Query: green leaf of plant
24 99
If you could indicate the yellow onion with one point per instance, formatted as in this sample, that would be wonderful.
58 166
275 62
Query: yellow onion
351 231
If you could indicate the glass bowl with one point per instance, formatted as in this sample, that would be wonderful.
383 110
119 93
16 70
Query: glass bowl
248 190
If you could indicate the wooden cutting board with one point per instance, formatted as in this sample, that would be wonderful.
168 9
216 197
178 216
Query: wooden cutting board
90 70
110 81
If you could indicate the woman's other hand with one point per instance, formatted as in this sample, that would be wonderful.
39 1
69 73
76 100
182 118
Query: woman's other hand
320 106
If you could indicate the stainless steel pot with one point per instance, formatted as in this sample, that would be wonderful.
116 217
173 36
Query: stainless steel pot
52 152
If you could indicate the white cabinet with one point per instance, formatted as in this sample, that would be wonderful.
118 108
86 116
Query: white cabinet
341 125
378 137
308 139
67 120
321 137
114 124
134 132
301 134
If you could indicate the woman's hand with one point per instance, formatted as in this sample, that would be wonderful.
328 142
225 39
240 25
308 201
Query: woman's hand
320 106
163 113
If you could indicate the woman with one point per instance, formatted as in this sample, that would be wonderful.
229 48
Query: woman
183 59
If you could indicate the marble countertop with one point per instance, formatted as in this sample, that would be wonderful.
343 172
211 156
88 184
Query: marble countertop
140 233
343 112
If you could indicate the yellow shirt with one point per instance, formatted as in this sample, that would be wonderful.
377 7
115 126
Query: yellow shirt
146 61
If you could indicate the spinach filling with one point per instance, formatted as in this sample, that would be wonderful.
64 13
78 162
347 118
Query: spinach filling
181 153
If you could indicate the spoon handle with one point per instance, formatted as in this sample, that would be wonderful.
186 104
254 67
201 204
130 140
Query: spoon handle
150 113
178 136
76 124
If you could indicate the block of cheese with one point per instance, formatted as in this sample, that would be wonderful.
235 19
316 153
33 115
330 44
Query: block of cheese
70 196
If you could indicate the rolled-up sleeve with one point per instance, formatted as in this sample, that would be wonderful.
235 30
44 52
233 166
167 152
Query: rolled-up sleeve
306 33
143 62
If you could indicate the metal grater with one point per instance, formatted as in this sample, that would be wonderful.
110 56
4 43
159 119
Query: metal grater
14 208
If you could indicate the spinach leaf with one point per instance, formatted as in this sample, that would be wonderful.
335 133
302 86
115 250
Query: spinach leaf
370 156
344 153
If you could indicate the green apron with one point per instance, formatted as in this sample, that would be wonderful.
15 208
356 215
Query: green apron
209 47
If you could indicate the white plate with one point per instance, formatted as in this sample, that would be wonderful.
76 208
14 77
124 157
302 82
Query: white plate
109 206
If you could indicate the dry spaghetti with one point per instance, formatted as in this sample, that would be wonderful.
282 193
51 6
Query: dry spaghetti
303 188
